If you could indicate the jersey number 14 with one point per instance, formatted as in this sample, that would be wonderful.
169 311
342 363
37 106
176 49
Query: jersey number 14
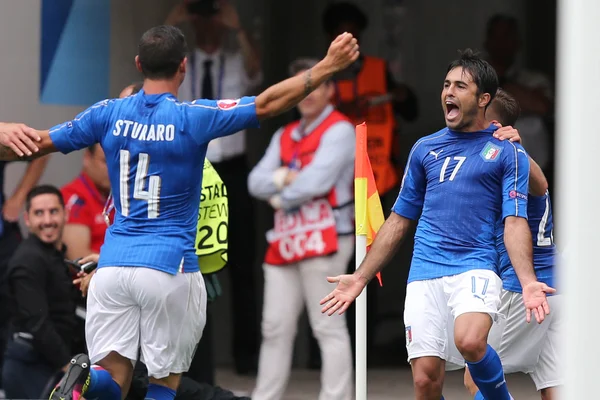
150 196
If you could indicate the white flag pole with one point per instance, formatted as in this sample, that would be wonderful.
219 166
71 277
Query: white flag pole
361 326
578 62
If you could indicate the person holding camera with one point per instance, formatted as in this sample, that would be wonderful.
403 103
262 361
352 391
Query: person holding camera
41 300
217 72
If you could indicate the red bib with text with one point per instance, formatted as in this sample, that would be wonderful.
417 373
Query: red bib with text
304 233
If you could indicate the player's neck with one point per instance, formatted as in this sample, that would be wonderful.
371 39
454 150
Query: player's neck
160 87
476 126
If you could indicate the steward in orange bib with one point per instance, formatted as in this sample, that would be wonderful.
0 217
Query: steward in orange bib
366 92
307 176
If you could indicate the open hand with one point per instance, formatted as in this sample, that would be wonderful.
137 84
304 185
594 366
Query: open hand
347 290
342 52
19 138
534 298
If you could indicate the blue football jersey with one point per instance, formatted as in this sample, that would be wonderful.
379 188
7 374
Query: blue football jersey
155 147
459 185
539 211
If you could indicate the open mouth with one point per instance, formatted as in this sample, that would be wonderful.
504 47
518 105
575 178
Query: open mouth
452 110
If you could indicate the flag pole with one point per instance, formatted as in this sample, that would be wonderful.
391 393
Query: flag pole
361 327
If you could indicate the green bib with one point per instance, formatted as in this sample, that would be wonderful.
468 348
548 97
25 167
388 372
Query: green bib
211 237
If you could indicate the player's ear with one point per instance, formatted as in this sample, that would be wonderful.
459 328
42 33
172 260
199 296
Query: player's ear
183 65
484 100
137 63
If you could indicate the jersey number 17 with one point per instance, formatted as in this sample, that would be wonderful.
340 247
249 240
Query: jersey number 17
150 196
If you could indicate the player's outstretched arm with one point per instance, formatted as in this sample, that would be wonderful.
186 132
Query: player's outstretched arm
20 142
385 245
284 95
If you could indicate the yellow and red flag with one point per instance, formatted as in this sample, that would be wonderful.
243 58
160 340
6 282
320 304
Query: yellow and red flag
368 211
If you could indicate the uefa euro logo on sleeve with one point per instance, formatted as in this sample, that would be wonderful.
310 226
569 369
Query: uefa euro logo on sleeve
490 152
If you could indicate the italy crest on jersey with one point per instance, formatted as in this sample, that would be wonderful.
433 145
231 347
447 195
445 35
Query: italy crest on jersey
490 152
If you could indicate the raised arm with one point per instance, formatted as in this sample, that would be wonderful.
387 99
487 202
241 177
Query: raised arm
284 95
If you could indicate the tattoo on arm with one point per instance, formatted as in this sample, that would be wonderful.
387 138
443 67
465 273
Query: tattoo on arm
308 83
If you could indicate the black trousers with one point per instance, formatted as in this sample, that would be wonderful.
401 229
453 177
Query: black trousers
26 374
9 241
241 255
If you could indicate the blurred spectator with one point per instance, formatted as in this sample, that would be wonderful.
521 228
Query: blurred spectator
215 72
85 198
307 176
41 304
366 91
10 232
531 89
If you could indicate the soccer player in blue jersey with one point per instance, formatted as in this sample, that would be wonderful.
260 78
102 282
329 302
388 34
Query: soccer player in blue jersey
522 347
148 291
460 183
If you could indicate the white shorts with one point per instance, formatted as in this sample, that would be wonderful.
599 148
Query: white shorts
529 348
432 306
129 308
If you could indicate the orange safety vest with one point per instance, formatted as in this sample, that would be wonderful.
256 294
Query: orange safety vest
309 231
370 82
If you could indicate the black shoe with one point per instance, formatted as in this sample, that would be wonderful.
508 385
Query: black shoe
76 380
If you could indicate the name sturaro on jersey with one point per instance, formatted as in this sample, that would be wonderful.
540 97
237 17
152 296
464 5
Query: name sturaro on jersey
148 133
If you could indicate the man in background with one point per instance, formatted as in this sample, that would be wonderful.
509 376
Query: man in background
218 72
41 302
10 232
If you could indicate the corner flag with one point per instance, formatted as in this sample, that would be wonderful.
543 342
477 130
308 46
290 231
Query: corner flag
368 211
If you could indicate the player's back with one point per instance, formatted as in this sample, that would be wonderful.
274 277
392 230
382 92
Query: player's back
155 148
541 224
464 175
155 169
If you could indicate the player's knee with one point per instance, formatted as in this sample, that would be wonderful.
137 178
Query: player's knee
471 345
427 376
427 383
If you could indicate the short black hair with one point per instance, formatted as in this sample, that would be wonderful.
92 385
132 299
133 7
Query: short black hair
482 73
506 107
43 189
338 13
161 50
500 18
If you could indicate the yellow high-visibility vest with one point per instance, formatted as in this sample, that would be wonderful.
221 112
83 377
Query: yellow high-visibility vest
213 218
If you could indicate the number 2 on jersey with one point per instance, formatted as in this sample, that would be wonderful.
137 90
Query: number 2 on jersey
150 196
460 160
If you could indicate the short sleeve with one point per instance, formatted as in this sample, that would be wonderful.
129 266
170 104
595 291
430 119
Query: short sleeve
515 182
84 130
211 119
409 203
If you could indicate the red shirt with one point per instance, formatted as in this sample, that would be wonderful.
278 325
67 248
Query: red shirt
84 205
